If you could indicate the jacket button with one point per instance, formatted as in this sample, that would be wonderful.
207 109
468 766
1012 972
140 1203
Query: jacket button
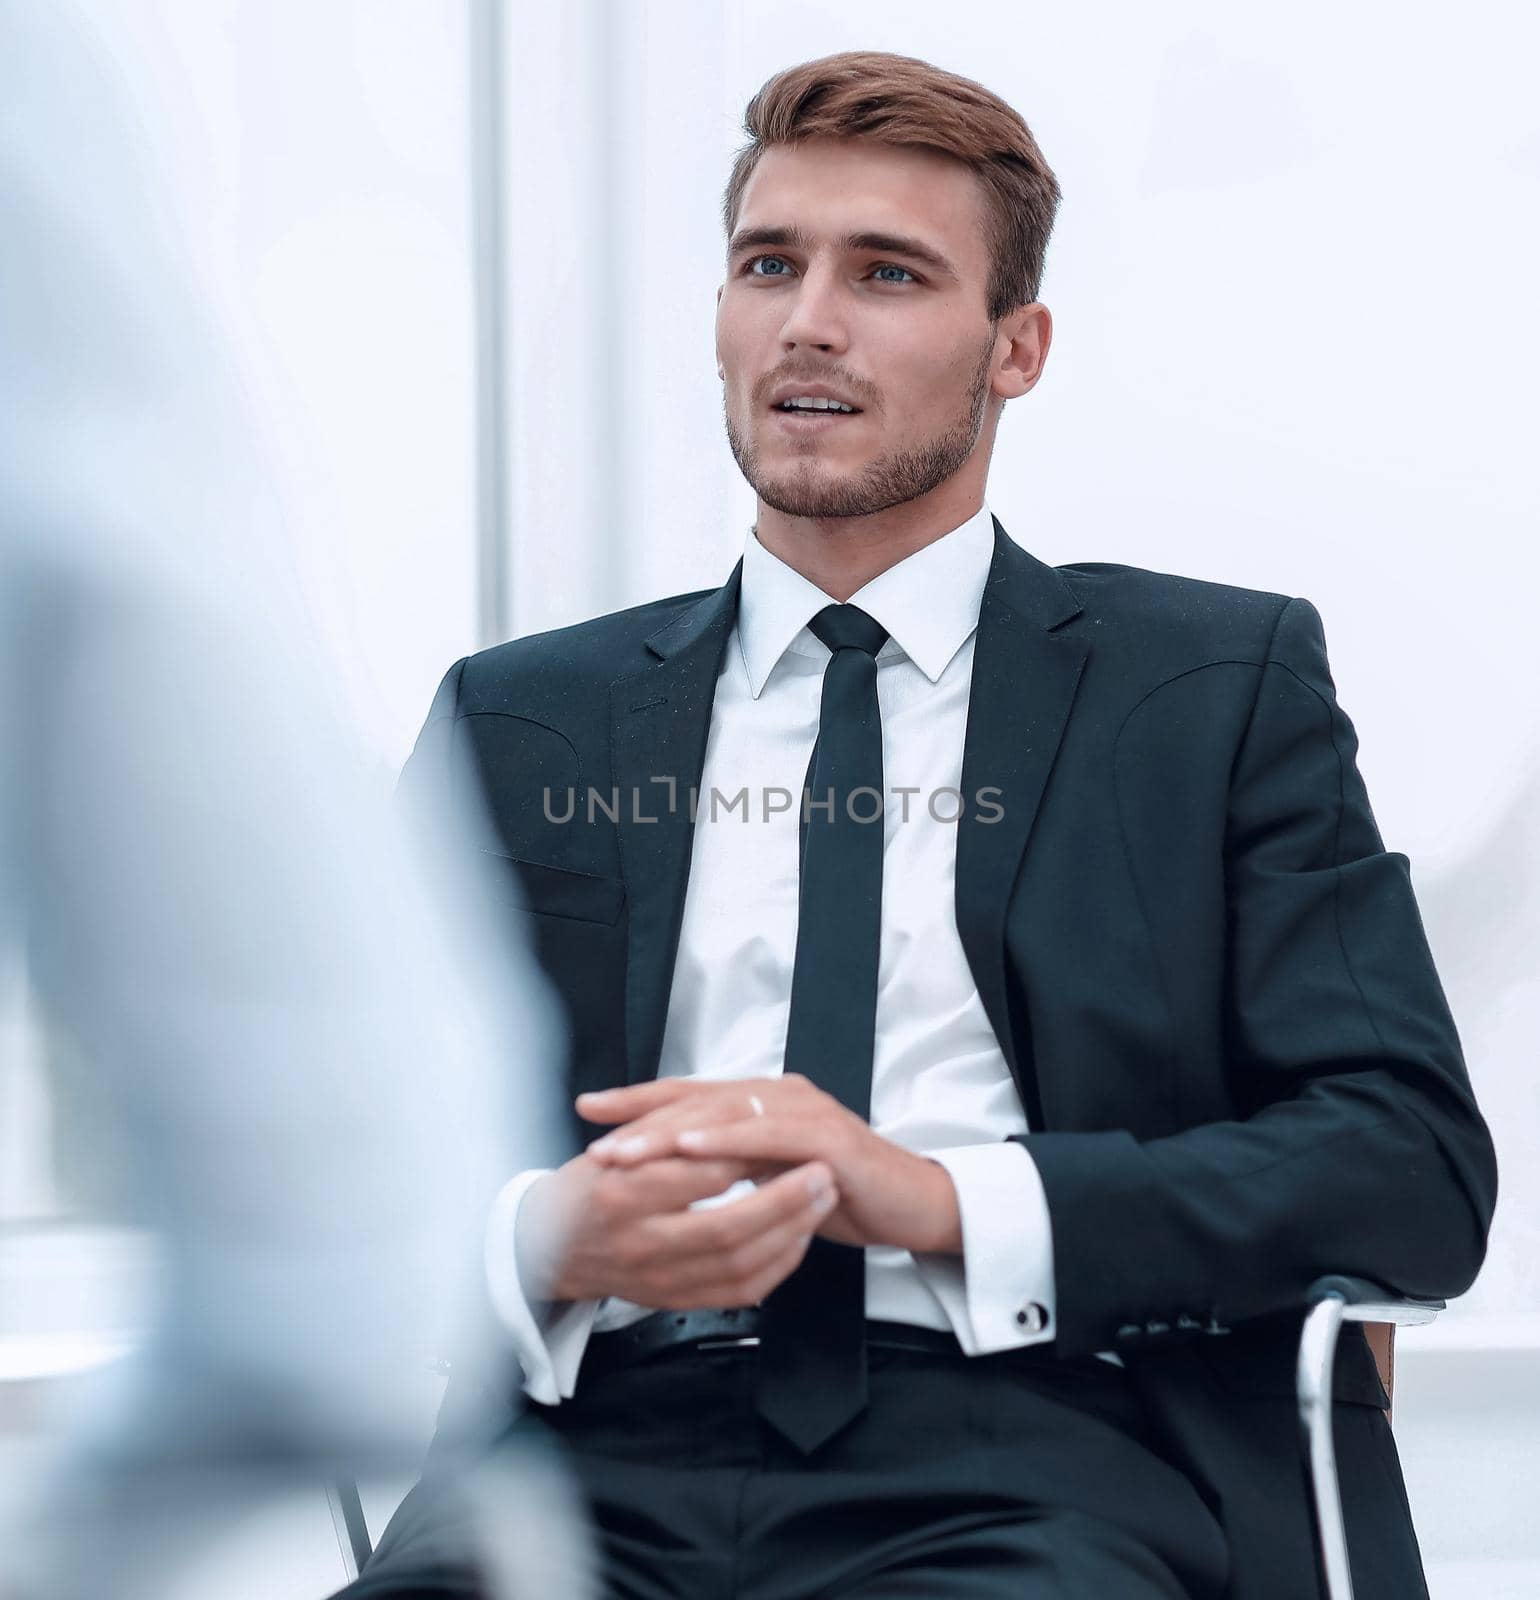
1157 1327
1032 1317
1184 1321
1130 1330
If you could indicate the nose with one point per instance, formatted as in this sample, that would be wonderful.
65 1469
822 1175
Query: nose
815 319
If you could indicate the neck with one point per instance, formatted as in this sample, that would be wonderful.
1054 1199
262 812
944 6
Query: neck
840 554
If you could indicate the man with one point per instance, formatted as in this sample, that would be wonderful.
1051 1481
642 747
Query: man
1118 1031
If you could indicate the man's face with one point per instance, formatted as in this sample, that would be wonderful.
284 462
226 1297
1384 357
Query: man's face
906 340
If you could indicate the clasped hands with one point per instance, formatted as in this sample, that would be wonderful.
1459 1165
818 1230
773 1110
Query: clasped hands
884 1194
623 1218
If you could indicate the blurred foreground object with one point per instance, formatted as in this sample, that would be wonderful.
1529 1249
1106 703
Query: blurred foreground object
317 1053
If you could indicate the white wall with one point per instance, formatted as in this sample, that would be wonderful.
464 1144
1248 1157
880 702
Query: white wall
317 157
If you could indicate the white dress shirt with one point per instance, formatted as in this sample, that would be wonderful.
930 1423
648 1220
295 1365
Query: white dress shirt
940 1084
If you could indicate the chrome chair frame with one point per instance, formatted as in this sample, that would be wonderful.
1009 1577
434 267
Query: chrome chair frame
1331 1301
349 1524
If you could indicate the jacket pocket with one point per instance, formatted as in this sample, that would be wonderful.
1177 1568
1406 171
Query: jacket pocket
557 891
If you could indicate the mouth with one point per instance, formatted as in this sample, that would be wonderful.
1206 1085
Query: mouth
803 421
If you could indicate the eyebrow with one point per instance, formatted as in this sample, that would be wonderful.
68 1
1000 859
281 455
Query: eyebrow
798 239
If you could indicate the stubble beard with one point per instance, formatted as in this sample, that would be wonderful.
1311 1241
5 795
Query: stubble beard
891 480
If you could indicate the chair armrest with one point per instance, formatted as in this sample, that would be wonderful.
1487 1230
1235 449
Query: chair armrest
1363 1300
1331 1301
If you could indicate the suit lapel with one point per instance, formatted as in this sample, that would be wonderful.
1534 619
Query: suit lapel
1024 682
659 720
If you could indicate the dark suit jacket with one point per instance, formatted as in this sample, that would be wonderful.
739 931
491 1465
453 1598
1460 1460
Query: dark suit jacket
1207 975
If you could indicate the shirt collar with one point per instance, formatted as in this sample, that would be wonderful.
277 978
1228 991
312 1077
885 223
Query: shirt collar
928 602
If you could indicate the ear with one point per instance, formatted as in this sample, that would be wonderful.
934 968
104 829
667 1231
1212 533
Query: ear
1030 330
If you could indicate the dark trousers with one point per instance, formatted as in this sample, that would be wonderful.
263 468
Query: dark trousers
1014 1475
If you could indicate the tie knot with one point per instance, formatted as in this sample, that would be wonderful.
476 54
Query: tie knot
849 627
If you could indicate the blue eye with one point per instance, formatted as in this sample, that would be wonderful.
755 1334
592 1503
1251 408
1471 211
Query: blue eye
882 266
753 262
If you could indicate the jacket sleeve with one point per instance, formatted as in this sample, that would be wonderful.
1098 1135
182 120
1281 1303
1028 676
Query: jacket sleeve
1361 1149
440 797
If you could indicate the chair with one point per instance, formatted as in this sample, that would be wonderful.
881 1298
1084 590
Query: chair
1330 1301
350 1525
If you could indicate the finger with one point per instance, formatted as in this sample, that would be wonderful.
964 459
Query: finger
760 1138
648 1136
633 1100
652 1135
742 1273
673 1183
724 1227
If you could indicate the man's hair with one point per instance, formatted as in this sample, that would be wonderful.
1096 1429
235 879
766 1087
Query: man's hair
901 100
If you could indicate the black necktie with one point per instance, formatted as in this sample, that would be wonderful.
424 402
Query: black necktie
812 1375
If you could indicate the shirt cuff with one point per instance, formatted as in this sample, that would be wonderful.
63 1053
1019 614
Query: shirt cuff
999 1294
549 1344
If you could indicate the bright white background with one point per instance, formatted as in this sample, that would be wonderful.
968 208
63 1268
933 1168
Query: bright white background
1295 338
